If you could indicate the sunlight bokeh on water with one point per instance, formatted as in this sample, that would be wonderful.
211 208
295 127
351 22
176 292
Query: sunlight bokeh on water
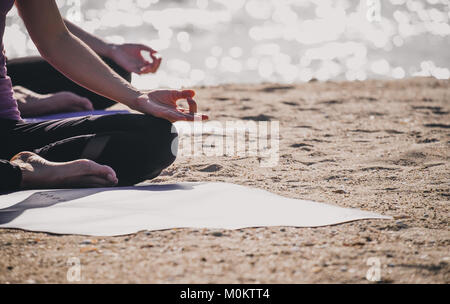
206 42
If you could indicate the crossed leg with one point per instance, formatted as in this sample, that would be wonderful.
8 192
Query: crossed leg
137 147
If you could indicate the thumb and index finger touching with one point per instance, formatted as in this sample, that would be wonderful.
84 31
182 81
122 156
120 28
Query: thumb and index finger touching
189 95
147 67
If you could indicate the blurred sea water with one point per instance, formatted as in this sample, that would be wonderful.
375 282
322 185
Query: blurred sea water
208 42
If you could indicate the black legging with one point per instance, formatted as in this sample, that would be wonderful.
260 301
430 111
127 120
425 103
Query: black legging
36 74
10 176
137 147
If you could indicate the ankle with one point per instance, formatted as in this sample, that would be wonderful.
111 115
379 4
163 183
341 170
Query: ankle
21 160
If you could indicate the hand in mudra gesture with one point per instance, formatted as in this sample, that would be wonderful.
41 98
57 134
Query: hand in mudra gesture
163 104
129 56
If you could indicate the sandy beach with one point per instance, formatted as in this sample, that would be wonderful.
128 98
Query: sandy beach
376 145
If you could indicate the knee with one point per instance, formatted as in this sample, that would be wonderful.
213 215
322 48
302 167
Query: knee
142 152
163 134
168 143
158 142
157 153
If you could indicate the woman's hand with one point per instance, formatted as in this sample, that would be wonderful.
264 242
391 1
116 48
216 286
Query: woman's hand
129 56
163 104
32 104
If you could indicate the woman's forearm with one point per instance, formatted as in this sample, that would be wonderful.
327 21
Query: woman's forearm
77 61
70 55
96 44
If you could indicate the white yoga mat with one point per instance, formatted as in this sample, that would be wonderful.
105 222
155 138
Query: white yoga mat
119 211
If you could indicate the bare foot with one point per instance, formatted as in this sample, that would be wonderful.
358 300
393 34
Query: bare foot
33 104
40 173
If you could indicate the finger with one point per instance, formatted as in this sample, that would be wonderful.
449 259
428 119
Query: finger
180 114
192 105
156 57
172 115
157 63
144 47
182 94
196 117
193 117
151 67
153 54
184 115
147 68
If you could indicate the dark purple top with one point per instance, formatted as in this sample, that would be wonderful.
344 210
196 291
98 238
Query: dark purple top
8 105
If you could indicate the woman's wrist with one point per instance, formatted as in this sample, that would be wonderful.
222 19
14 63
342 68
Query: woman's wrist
139 102
109 50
